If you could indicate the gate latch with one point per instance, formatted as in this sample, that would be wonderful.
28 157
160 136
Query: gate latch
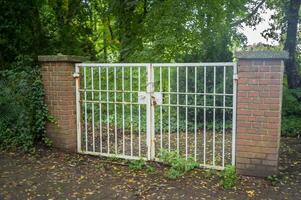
75 75
156 98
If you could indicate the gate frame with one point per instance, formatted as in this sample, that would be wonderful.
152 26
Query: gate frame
150 106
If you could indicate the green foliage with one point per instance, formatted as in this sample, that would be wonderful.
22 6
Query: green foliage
173 173
228 177
196 32
113 30
150 169
114 158
137 164
47 141
273 179
291 112
141 164
178 165
22 108
20 30
209 173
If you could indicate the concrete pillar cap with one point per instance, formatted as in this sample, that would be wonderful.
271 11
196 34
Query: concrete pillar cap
262 55
61 58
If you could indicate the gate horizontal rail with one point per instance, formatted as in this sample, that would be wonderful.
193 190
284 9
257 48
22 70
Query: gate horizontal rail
195 117
125 91
172 105
155 64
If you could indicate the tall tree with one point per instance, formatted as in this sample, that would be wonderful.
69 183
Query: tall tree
286 20
176 30
20 30
130 16
292 13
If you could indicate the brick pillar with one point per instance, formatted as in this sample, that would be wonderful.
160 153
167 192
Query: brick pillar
59 86
259 95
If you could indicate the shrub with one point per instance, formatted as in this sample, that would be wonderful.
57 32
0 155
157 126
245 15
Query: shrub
23 112
228 177
150 169
178 165
137 164
273 179
291 112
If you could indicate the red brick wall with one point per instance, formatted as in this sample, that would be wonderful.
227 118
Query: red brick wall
259 95
59 86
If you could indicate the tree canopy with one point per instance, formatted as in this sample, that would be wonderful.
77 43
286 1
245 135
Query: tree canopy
123 30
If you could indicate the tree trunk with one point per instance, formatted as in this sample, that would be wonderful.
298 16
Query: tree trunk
130 25
105 46
291 67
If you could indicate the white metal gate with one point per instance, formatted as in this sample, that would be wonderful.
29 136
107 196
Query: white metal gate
132 110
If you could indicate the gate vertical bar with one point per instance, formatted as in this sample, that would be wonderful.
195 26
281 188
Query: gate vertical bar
92 96
195 112
108 111
224 115
214 104
131 108
115 110
139 114
178 109
169 86
186 113
123 123
78 114
86 117
100 110
234 112
150 114
204 151
161 124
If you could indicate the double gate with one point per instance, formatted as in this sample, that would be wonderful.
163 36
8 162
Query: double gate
132 110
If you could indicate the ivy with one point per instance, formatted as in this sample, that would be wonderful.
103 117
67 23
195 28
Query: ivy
23 112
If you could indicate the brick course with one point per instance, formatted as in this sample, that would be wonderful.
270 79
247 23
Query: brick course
259 95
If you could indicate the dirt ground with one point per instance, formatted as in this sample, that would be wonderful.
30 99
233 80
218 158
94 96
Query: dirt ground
193 145
51 174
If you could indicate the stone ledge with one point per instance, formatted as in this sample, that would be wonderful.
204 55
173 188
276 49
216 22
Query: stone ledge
259 55
61 58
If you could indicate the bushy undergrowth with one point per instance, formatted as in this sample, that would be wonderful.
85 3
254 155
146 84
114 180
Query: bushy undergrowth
140 164
228 177
23 112
137 164
178 165
291 112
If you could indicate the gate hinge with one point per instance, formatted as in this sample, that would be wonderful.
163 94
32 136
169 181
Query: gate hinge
75 75
235 76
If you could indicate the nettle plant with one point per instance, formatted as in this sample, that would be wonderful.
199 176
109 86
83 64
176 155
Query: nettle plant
178 165
228 177
140 164
137 164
